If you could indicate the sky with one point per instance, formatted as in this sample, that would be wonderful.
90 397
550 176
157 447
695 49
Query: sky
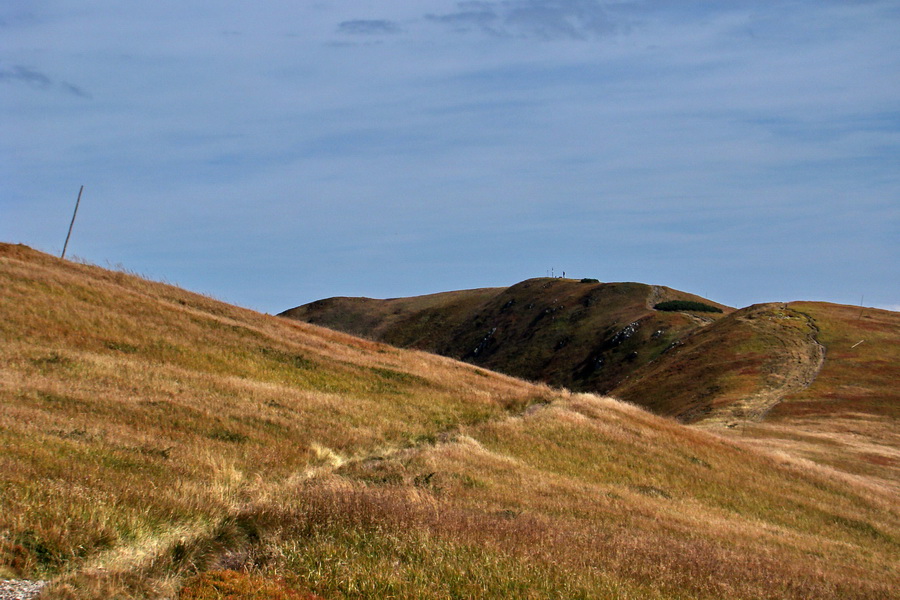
275 153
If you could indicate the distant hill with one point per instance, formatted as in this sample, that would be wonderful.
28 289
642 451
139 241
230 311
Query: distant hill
729 366
156 443
847 414
582 336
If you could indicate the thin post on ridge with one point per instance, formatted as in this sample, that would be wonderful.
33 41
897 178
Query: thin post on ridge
72 224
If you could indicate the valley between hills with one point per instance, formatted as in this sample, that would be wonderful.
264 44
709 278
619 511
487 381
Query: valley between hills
573 441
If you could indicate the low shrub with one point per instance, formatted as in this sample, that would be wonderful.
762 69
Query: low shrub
676 305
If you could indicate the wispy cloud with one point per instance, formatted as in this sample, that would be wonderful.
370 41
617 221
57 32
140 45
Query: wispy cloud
38 80
482 17
18 73
541 19
74 90
369 27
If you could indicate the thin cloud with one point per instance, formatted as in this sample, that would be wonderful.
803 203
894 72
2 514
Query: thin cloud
369 27
38 80
18 73
74 90
541 19
480 17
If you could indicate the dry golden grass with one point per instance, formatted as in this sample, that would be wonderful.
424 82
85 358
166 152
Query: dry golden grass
153 441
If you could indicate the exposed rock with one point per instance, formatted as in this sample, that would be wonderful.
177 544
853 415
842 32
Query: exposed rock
20 589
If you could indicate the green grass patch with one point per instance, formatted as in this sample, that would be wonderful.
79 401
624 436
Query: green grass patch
123 347
294 360
224 435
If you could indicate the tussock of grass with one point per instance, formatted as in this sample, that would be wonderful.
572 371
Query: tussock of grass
154 443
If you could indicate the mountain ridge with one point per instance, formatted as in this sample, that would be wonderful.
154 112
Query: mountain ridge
579 335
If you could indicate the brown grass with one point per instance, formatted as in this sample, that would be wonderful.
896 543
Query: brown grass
154 443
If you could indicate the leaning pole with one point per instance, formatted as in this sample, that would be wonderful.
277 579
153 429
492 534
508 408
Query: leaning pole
77 202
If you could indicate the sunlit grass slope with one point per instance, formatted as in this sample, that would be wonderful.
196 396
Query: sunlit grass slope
156 443
135 413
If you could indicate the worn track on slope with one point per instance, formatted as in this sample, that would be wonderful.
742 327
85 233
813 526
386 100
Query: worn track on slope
797 358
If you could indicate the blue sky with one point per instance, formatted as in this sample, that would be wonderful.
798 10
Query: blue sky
277 154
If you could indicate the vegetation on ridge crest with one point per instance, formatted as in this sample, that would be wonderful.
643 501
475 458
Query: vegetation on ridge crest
673 305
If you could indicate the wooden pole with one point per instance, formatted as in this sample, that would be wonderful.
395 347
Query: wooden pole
77 202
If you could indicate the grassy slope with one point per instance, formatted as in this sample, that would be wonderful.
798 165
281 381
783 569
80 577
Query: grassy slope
848 417
586 337
714 369
149 434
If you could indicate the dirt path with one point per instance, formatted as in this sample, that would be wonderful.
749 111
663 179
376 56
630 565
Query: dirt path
654 297
793 365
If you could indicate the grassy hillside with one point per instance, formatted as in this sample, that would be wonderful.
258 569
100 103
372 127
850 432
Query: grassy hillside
733 371
583 336
848 418
821 377
159 444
